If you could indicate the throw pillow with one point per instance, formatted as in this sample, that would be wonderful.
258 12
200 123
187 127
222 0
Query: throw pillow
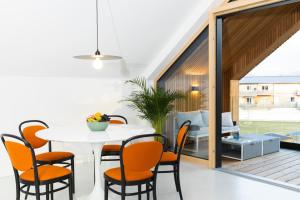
195 117
205 117
227 119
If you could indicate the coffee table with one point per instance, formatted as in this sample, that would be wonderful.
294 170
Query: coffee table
242 148
270 144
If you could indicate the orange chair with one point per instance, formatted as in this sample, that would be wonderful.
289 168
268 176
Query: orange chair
136 162
173 158
48 158
27 173
113 149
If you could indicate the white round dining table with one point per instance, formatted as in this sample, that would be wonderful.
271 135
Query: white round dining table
114 133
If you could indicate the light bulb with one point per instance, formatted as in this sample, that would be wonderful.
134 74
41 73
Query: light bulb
97 64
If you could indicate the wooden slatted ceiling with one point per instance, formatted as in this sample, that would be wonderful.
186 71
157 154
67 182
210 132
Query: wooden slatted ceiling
249 38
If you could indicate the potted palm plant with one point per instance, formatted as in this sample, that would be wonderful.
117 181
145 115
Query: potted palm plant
152 103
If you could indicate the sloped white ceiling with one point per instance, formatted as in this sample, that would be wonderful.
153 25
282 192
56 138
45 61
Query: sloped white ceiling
39 38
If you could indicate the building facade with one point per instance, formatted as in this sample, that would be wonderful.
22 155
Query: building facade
270 92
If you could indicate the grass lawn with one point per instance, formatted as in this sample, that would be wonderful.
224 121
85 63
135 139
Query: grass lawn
268 127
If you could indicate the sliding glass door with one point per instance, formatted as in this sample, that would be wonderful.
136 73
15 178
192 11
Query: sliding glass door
189 74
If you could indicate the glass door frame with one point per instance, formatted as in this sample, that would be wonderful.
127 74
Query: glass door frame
215 65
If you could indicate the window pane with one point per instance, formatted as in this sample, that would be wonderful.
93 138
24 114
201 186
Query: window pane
189 74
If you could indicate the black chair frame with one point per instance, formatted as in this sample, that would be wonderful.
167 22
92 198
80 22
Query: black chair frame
61 161
176 164
150 183
119 116
113 153
26 184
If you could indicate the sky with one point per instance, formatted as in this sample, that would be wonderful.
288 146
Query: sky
285 61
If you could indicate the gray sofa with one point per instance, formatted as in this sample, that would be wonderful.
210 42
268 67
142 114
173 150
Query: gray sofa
199 125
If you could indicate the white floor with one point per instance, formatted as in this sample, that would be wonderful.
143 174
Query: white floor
197 183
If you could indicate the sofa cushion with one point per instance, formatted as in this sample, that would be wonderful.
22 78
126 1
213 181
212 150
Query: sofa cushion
205 118
195 117
195 128
227 119
203 132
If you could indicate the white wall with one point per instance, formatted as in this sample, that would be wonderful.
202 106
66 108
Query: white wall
58 101
195 19
39 79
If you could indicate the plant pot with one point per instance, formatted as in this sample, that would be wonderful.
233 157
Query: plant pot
158 126
97 126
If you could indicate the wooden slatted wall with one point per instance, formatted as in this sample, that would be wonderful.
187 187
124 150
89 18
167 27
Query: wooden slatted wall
192 72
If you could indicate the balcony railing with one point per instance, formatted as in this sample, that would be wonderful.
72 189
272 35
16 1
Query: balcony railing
264 93
257 93
248 93
245 105
270 105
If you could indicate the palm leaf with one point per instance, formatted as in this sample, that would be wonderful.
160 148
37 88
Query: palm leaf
152 103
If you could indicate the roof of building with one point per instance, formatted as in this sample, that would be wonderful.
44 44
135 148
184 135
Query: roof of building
269 79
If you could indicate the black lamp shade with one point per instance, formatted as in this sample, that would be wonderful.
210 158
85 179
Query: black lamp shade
196 88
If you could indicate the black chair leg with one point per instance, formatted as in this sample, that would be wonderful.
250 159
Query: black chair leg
71 189
175 177
147 188
51 192
37 192
178 183
154 190
123 192
27 191
139 192
73 174
106 190
17 182
47 192
18 192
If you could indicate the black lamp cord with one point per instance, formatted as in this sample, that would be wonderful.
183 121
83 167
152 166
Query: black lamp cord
97 22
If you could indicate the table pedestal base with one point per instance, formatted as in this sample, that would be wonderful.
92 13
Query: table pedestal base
97 193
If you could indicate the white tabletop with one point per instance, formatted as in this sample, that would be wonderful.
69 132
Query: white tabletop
83 135
113 133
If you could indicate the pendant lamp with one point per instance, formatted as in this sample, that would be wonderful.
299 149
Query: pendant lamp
97 56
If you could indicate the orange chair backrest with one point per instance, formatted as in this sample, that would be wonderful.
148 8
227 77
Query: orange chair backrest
20 155
142 156
181 135
29 135
116 121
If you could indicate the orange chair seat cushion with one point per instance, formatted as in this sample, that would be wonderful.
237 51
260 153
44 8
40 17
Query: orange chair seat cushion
46 173
115 173
54 156
168 157
116 121
111 147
